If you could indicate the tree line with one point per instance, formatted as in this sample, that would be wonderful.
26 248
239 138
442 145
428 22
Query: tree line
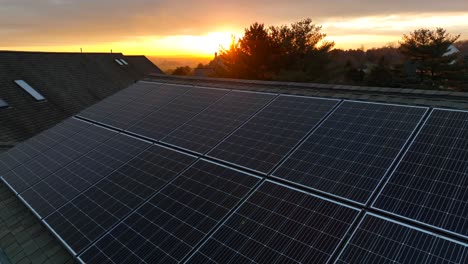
299 52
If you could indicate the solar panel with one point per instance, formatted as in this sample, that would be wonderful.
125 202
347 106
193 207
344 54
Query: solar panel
59 188
384 241
123 117
278 224
98 112
32 147
53 159
167 227
160 123
352 150
88 216
208 128
265 139
430 184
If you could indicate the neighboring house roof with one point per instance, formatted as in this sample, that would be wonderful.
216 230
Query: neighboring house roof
69 82
143 64
432 98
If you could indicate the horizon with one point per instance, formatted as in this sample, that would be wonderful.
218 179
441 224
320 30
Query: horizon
152 28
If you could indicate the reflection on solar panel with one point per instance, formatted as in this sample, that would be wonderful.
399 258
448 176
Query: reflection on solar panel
279 225
351 151
430 184
98 112
32 147
208 128
167 227
380 241
265 139
53 159
89 215
160 123
62 186
123 117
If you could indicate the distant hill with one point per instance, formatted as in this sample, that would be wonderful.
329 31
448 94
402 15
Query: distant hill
170 63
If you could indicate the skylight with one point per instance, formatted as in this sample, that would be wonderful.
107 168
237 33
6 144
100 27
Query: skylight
30 90
3 104
124 62
119 62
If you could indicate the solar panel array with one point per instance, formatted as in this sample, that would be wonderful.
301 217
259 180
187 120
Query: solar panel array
163 173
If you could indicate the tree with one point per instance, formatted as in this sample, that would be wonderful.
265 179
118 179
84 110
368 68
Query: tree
184 70
427 48
277 52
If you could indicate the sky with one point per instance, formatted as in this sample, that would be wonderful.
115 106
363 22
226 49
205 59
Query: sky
198 28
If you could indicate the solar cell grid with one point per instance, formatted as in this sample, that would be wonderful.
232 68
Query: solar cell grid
99 111
89 215
430 184
32 147
167 227
266 138
59 188
160 123
123 117
53 159
383 241
208 128
278 224
352 149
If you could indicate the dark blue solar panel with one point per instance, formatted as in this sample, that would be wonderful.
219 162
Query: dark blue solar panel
124 117
62 186
383 241
32 147
265 139
279 225
92 213
430 184
167 227
100 111
53 159
162 122
208 128
352 150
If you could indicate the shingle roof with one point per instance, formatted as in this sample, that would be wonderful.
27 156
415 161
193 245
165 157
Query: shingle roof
431 98
22 238
70 82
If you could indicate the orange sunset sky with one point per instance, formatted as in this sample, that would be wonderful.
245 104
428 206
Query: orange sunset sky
198 28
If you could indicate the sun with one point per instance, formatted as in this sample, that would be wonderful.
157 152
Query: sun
210 43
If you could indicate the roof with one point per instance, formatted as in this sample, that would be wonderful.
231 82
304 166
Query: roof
431 98
213 166
70 82
22 237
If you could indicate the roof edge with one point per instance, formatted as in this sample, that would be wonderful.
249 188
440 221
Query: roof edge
336 87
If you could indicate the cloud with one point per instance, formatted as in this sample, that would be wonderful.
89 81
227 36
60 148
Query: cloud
60 22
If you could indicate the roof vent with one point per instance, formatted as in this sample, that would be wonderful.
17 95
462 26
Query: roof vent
35 94
3 104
